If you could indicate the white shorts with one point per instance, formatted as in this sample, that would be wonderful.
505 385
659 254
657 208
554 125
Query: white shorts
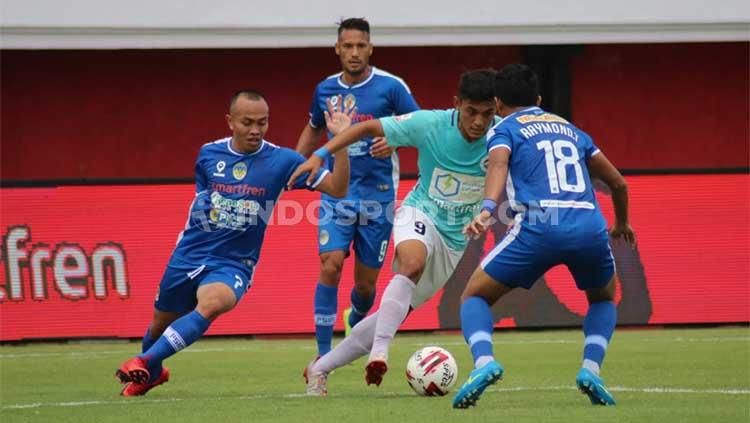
410 223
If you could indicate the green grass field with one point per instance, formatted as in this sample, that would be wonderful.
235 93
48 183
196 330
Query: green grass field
659 375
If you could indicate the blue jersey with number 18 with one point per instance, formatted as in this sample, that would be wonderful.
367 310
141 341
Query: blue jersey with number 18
547 175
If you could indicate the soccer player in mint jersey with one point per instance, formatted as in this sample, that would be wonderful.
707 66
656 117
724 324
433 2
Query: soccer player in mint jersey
545 165
428 225
360 218
238 181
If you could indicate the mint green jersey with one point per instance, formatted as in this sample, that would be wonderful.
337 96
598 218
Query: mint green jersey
451 169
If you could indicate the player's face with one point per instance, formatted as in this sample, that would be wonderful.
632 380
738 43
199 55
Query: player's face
354 50
475 117
248 120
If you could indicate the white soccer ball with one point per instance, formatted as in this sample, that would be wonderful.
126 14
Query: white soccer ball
431 371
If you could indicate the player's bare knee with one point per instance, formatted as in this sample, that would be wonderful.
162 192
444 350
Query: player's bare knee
215 301
364 288
331 266
411 267
605 293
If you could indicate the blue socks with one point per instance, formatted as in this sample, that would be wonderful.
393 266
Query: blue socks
477 325
360 307
598 327
326 304
181 333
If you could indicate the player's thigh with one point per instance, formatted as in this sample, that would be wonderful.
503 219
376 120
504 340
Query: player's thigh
222 288
438 268
592 264
481 284
372 233
519 259
336 225
177 289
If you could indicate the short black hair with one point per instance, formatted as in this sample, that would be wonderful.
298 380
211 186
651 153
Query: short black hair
249 93
516 85
477 85
360 24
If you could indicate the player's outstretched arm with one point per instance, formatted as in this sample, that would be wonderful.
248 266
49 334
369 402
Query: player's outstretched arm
599 166
371 128
336 183
494 183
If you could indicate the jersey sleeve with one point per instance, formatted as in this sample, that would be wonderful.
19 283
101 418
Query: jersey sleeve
591 148
296 160
407 130
499 137
201 179
317 119
402 99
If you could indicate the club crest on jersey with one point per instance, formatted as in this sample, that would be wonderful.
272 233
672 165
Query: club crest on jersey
239 171
220 166
350 101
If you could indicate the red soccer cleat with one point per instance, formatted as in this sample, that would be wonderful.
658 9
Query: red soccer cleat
134 389
374 371
133 370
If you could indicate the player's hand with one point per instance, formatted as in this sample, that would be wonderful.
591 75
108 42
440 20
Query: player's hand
478 225
312 165
338 118
623 231
380 148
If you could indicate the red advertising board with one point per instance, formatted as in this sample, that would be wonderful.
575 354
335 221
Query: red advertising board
85 261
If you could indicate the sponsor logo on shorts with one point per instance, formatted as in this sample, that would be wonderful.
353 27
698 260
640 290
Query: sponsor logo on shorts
324 237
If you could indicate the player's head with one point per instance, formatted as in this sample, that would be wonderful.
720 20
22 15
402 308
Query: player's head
248 120
475 102
353 45
516 85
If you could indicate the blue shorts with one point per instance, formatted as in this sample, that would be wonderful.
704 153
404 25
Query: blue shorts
179 285
368 224
524 255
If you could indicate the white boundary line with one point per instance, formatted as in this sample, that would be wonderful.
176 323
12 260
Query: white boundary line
729 391
129 350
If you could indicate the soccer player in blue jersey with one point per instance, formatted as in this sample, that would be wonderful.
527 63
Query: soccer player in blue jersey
360 218
427 226
545 165
238 181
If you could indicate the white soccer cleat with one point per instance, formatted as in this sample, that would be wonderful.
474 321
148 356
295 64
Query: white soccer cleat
317 382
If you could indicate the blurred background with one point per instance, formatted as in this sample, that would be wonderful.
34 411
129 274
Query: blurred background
105 104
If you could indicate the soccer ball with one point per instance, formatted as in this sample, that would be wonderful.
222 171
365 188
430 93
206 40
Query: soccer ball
431 371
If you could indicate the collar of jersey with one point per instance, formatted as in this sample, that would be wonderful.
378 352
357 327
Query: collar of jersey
523 111
372 73
229 147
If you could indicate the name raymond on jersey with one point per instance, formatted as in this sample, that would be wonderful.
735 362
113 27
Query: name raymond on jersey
533 129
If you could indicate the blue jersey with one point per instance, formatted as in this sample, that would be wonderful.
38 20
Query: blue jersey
380 95
547 171
235 196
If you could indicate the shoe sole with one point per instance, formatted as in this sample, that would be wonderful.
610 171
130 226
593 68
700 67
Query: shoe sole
375 371
133 375
472 397
590 389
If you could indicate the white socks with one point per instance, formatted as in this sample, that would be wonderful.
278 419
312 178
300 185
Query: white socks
354 346
394 306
